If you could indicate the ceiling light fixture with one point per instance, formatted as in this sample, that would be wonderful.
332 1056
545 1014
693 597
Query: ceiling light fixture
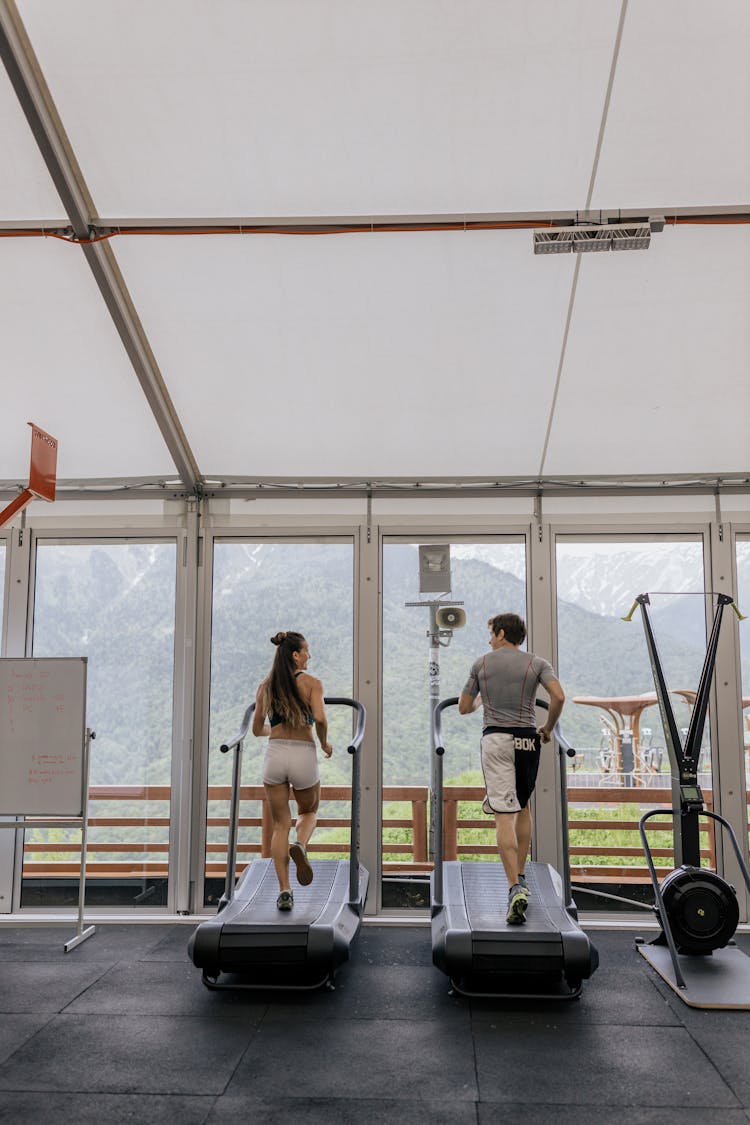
631 237
593 239
553 241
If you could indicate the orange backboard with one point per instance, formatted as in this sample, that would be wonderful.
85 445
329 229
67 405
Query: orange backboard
43 469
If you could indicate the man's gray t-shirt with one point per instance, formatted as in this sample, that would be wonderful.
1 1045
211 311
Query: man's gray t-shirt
507 679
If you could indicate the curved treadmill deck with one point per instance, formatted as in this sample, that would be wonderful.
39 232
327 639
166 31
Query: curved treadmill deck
250 936
483 955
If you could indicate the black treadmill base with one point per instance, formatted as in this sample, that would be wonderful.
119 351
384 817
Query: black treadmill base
494 987
233 982
251 945
546 958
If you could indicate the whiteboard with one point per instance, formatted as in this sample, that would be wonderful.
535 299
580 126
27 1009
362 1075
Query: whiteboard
42 736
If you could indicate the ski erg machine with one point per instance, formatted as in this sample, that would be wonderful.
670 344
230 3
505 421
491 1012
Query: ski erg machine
547 957
263 947
697 909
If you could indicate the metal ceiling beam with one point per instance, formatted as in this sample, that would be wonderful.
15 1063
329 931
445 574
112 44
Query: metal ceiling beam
324 224
476 489
720 212
36 102
347 488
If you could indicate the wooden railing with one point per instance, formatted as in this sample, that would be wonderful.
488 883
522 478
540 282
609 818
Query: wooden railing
409 855
628 872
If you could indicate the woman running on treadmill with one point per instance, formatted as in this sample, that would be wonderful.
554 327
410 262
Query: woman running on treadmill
288 703
505 683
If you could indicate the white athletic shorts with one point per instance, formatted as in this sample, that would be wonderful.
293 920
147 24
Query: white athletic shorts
509 764
286 759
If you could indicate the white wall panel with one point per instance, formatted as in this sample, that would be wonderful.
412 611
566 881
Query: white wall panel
657 371
383 354
289 107
677 132
26 190
64 368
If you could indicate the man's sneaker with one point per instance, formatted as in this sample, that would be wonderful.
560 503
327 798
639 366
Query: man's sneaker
518 900
285 901
298 855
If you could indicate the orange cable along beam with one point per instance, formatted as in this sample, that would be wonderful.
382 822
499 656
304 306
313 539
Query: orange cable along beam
345 228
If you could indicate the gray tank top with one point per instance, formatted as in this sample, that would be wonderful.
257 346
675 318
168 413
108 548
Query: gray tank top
507 679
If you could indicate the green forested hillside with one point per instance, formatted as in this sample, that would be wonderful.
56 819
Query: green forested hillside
115 604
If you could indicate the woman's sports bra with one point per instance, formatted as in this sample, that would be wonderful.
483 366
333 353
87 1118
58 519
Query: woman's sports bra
276 719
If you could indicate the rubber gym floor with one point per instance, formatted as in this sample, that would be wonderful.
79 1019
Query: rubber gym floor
122 1030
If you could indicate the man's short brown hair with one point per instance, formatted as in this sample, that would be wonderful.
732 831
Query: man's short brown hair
511 624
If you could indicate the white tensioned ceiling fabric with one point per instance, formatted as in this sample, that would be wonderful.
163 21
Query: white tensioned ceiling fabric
65 369
656 377
678 127
436 354
375 354
421 354
26 190
327 107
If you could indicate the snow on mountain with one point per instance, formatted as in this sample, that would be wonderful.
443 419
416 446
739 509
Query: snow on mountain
607 581
604 578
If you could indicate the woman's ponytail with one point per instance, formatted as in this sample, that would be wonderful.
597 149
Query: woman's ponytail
281 694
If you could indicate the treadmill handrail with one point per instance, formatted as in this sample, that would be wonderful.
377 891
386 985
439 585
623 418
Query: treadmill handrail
236 743
564 749
437 797
333 699
225 746
353 749
452 702
359 731
234 805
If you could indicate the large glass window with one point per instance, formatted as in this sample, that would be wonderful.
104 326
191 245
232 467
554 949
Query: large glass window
611 715
114 603
259 588
743 596
487 577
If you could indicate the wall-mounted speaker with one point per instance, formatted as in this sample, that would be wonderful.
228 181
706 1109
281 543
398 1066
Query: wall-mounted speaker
450 617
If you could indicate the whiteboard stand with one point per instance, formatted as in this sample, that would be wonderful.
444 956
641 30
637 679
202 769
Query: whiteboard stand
82 822
46 750
83 932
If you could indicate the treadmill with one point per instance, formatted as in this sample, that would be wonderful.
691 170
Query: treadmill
250 944
547 957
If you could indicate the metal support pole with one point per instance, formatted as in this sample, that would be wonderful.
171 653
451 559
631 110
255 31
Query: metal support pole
81 932
433 672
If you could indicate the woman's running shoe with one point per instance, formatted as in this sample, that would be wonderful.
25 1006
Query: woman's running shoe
298 855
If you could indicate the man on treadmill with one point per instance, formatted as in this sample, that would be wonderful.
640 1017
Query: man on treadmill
505 682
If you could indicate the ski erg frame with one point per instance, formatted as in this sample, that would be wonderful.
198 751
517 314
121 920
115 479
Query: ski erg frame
688 805
686 792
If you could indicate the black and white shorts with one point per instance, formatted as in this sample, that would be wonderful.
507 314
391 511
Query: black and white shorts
510 761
